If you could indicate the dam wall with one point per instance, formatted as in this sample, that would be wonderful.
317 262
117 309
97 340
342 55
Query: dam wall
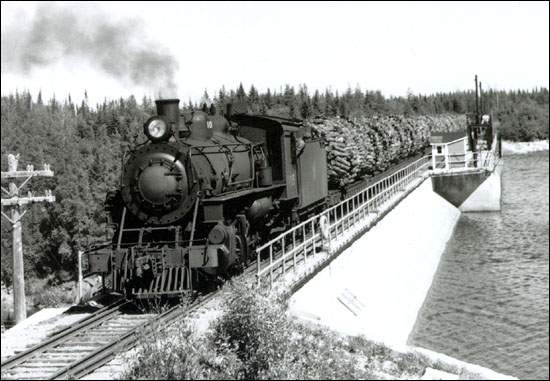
471 191
487 197
377 286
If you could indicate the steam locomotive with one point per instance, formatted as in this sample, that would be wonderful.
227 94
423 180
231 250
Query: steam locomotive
202 192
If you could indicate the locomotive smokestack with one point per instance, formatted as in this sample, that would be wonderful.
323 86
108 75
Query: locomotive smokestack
169 108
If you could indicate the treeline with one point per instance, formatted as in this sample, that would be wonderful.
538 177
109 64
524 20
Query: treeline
523 114
85 144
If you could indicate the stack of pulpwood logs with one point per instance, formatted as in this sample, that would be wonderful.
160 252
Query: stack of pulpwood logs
369 145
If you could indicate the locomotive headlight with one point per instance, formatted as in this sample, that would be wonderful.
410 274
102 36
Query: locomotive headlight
156 129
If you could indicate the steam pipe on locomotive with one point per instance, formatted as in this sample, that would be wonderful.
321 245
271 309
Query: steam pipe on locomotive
197 198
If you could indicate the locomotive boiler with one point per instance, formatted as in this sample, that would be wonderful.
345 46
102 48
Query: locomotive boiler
202 192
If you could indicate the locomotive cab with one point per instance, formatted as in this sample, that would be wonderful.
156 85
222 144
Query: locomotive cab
298 159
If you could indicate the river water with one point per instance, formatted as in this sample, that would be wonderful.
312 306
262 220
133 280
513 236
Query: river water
488 303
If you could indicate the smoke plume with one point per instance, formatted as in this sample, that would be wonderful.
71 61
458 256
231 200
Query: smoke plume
118 49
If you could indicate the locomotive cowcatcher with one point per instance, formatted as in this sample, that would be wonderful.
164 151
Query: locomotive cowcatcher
204 190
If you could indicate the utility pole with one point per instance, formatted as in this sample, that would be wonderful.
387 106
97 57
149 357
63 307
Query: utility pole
16 202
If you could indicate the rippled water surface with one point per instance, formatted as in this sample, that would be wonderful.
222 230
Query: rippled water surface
488 303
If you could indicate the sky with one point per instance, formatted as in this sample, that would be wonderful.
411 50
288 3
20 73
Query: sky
392 47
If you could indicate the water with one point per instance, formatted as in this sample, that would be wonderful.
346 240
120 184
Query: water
488 303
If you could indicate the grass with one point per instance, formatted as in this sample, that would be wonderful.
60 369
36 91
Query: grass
254 338
41 294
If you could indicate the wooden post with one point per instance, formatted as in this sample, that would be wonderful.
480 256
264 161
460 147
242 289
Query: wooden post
79 295
15 202
19 303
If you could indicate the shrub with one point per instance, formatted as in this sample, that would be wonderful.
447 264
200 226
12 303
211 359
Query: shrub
315 353
256 326
255 339
41 294
182 355
270 345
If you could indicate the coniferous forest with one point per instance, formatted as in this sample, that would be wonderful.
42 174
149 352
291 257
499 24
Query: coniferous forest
84 144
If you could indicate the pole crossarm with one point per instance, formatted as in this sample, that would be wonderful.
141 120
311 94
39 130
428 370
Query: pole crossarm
16 174
19 201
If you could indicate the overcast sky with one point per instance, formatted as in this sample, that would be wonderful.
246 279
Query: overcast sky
424 47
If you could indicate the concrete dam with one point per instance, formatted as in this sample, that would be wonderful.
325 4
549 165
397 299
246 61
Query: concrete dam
377 286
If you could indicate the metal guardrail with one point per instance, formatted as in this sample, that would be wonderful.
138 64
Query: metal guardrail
484 160
331 227
469 161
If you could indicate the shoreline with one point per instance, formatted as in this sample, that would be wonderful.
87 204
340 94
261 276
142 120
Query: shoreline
518 148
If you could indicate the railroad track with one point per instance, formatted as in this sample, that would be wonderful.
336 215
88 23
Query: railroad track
90 344
79 350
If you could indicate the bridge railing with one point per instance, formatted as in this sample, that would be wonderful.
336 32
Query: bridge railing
335 226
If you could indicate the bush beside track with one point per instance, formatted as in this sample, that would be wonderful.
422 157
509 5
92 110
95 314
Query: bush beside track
254 338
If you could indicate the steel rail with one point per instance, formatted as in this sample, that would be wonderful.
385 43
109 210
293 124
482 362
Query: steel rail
96 318
125 342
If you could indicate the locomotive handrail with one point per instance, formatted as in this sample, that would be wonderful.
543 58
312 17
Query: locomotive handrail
178 243
343 217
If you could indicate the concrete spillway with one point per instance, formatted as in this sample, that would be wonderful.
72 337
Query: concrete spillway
377 286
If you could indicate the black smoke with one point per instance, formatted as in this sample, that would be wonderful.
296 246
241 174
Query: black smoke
118 48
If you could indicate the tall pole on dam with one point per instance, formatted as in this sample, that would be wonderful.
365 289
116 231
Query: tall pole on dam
481 98
477 102
15 201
